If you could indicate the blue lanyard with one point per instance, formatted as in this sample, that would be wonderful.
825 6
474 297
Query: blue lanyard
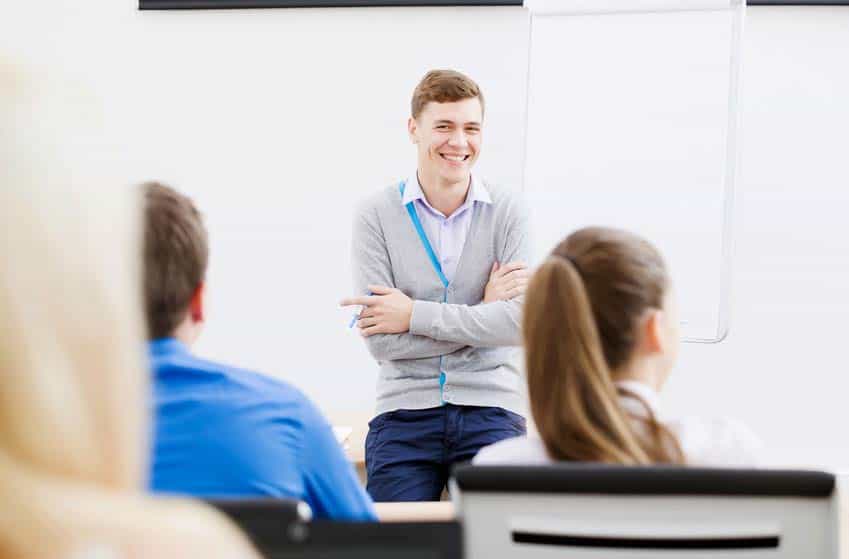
414 217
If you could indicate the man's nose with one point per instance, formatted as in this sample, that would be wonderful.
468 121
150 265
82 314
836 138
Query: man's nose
458 138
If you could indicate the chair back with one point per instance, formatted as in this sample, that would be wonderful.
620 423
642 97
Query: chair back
618 512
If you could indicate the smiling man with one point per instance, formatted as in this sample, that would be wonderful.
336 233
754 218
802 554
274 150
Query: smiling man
438 262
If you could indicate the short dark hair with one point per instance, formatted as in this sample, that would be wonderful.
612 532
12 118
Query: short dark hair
176 252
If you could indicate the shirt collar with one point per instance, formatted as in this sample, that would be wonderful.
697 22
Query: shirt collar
477 193
166 346
643 391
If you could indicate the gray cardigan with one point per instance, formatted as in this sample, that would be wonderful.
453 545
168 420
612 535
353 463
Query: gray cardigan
474 342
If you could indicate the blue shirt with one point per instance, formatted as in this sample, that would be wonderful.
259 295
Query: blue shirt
227 432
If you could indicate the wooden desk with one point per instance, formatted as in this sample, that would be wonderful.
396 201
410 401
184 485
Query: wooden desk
355 447
432 511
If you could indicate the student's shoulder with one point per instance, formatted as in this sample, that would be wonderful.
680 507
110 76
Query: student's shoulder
283 399
269 416
527 451
241 387
719 441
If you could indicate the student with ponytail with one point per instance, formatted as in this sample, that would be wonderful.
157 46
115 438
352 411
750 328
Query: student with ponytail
601 336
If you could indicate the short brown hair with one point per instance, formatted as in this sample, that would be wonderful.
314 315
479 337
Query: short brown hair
444 86
580 326
176 251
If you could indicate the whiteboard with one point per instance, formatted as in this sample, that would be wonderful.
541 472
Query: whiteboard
632 111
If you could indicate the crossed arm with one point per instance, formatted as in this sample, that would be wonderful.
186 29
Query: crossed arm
397 327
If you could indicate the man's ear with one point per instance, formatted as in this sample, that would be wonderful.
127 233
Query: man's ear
197 308
654 332
412 126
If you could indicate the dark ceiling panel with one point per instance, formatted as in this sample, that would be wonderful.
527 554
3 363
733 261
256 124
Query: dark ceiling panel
230 4
798 2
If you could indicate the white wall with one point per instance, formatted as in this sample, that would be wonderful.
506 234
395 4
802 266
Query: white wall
276 115
784 368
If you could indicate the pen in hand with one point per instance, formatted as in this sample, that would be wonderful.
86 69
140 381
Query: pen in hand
357 314
354 320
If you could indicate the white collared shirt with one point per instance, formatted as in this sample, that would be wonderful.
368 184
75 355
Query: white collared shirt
719 442
447 235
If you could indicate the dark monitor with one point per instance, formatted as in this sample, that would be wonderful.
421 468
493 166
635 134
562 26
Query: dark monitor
219 4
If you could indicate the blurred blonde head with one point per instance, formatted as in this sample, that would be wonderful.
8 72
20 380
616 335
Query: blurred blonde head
73 389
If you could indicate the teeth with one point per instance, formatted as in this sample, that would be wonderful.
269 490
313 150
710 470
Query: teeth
454 157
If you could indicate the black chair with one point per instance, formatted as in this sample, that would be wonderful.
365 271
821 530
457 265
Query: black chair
280 530
264 520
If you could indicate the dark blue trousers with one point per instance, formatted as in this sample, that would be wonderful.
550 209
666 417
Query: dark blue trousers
409 453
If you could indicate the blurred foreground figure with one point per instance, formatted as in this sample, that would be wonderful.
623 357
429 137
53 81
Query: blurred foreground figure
73 387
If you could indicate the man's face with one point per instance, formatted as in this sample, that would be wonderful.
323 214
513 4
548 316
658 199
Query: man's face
448 136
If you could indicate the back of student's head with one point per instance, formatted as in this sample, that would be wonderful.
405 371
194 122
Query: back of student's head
73 389
585 313
176 253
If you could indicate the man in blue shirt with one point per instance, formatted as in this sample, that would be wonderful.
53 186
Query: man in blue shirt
221 431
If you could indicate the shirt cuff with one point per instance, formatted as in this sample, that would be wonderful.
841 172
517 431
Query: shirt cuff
423 318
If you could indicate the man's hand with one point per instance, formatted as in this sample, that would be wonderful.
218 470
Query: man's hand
386 311
506 282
